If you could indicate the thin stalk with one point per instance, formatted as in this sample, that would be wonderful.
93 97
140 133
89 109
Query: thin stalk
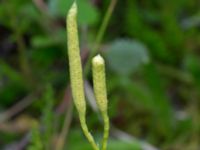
87 133
106 131
100 34
65 128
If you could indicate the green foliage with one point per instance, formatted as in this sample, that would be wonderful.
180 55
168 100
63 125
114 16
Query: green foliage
43 140
152 53
19 9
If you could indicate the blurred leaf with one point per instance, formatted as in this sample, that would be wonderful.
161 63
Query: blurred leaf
6 70
137 26
126 56
12 12
45 57
43 41
162 108
87 15
156 44
141 95
119 145
191 21
48 117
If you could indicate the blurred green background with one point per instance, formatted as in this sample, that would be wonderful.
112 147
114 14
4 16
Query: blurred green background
151 48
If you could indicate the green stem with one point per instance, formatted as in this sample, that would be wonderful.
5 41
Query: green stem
106 131
100 34
87 133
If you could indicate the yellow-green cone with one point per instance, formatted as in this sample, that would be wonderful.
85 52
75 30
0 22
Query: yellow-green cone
75 61
76 76
99 83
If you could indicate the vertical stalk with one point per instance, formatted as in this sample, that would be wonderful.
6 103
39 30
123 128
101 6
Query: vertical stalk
65 128
106 131
87 133
99 83
100 34
104 24
76 76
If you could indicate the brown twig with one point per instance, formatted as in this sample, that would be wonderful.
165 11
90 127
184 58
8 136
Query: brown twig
67 105
41 6
23 142
19 107
67 122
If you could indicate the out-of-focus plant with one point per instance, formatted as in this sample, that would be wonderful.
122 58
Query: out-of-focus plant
42 136
36 140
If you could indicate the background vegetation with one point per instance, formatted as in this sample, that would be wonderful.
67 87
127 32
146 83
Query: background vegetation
152 54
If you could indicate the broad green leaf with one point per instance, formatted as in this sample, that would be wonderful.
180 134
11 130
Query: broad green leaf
126 56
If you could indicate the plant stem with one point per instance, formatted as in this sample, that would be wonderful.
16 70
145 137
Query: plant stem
65 128
87 133
105 23
100 34
106 131
19 107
